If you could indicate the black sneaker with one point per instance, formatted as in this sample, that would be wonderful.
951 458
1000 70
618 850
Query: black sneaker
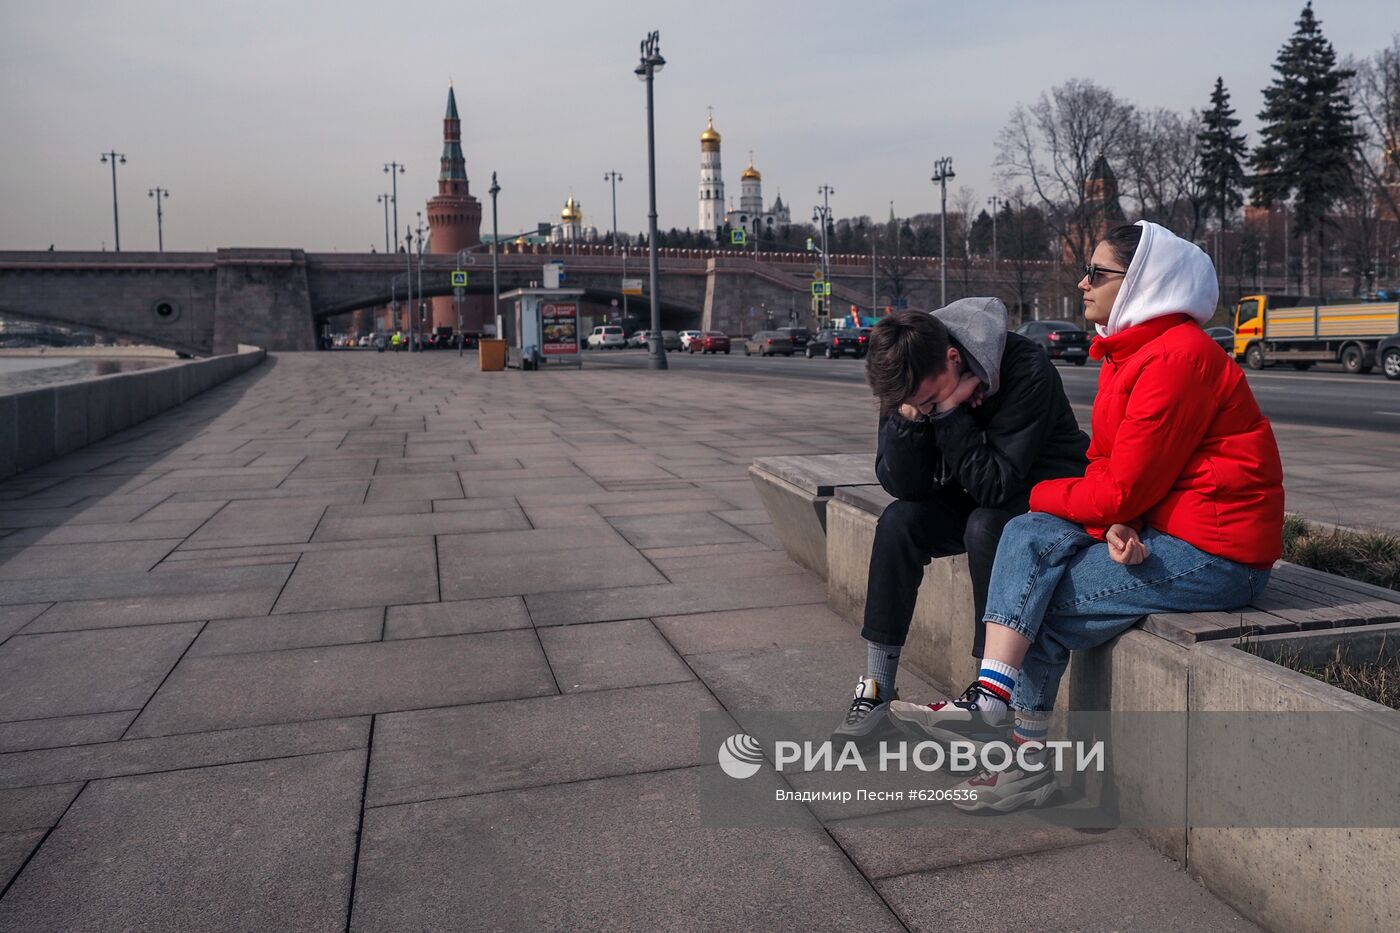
962 720
865 720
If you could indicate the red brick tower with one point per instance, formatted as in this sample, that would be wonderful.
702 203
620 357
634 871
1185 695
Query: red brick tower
454 216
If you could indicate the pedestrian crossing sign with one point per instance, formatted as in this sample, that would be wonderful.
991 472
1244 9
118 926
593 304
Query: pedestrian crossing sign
738 237
821 288
459 279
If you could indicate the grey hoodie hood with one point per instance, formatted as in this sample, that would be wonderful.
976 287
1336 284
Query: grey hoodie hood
1168 275
979 327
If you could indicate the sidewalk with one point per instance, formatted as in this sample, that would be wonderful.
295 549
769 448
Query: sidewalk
378 642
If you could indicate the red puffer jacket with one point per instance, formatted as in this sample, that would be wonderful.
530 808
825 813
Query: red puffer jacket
1179 444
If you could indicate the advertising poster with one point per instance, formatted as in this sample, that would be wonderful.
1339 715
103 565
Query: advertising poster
559 323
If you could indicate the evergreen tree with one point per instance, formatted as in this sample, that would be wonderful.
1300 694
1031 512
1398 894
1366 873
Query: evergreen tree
1308 133
1221 170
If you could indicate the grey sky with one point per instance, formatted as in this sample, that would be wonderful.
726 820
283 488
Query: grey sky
269 122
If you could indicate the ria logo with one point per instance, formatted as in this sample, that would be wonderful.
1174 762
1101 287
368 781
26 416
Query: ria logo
740 755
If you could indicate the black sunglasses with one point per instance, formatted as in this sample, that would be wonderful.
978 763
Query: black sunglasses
1092 272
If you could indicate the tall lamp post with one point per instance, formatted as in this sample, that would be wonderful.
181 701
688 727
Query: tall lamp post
408 284
394 170
494 190
158 194
996 204
651 63
116 227
822 214
616 177
421 309
943 170
385 200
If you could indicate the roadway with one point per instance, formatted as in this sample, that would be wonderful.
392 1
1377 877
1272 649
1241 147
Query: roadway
1318 398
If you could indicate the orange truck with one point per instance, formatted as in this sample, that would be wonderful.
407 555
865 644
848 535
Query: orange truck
1272 329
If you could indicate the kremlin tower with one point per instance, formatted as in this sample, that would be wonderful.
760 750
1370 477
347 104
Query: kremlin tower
454 218
711 182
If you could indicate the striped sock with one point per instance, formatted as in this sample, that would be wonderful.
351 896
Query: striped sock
997 680
882 663
1031 729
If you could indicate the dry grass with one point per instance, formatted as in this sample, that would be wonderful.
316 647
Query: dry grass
1371 557
1377 680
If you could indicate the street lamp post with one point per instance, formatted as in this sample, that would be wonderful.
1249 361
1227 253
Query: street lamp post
408 284
495 268
822 214
395 170
944 171
385 200
616 177
651 63
996 203
116 226
421 309
158 194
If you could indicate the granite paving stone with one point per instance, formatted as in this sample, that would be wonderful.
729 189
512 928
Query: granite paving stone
288 630
254 522
418 756
456 617
345 680
42 561
368 576
422 864
35 807
122 611
167 753
58 731
14 849
373 528
240 829
14 618
650 531
545 571
635 602
121 668
611 654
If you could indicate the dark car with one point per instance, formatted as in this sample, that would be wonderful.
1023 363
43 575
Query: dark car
801 336
1062 340
1223 336
710 341
768 343
1388 352
832 343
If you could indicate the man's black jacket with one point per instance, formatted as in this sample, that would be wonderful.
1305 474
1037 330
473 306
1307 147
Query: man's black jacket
1025 433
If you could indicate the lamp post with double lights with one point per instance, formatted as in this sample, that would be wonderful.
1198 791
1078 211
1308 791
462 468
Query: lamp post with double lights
651 63
408 285
421 310
394 170
821 214
494 190
158 194
616 177
385 200
113 157
943 170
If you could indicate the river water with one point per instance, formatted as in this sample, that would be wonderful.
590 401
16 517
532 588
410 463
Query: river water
21 373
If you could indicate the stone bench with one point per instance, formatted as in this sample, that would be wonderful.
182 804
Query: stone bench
1171 663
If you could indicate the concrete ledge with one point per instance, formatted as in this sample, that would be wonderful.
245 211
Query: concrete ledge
42 424
795 491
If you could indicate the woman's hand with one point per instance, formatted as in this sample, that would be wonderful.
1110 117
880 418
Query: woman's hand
1125 546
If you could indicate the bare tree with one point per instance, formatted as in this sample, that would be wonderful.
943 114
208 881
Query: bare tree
1024 247
1053 147
965 206
1376 92
1162 163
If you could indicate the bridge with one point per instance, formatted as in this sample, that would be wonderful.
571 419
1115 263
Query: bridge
210 302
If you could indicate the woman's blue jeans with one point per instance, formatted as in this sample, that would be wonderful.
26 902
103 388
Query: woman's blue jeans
1058 587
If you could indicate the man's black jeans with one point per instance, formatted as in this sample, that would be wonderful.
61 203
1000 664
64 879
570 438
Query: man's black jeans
909 535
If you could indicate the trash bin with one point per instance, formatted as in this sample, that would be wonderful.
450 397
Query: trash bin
493 355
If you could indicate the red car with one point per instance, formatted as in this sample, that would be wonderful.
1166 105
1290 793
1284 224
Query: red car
711 341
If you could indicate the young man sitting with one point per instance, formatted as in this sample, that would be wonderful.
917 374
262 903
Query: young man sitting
970 418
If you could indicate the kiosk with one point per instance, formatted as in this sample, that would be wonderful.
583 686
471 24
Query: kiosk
542 327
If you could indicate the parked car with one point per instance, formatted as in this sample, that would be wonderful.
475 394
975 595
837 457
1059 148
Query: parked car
638 339
687 336
1062 340
670 340
711 341
1224 336
366 340
801 336
607 337
768 343
1388 353
832 343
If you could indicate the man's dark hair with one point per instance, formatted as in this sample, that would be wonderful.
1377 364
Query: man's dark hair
1124 240
905 348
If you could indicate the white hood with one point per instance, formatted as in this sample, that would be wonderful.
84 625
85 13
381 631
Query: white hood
1168 275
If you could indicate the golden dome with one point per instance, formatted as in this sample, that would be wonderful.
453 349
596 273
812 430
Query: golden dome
710 135
572 212
750 172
